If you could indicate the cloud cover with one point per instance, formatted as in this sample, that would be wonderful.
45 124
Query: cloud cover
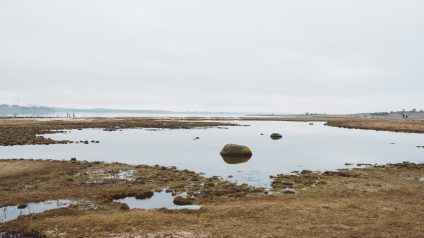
258 56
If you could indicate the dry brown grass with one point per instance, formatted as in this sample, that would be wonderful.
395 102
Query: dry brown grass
397 125
26 131
383 201
381 124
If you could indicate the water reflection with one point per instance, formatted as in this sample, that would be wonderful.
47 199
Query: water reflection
158 200
316 148
236 159
11 213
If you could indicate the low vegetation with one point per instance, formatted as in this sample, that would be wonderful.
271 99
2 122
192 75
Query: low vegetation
31 131
376 201
353 122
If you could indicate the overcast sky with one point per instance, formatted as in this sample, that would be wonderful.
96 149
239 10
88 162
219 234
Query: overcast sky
218 55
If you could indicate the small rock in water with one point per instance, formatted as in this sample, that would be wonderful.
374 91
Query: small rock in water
196 138
311 123
73 159
348 164
235 154
22 206
276 136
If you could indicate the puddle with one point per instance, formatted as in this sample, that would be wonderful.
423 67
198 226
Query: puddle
11 213
123 175
158 200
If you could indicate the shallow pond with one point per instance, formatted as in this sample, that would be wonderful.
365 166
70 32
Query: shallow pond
10 213
158 200
303 146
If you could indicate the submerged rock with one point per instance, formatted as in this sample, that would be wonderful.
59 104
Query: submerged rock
276 136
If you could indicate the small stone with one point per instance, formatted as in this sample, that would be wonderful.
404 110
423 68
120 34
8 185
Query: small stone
305 171
276 136
289 191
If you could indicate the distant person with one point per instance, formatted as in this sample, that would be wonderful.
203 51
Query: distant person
73 114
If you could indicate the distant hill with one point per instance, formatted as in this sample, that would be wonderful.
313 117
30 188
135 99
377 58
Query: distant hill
16 110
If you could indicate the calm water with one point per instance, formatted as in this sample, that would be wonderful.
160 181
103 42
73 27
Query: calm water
303 146
158 200
10 213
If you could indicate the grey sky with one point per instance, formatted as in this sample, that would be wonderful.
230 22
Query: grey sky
218 55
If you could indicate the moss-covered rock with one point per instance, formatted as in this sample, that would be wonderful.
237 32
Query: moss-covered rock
236 150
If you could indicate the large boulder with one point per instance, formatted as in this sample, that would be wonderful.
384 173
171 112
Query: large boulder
236 150
236 154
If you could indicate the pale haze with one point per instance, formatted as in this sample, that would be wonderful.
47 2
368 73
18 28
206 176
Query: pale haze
242 56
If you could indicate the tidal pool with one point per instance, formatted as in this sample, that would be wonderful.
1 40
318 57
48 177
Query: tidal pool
10 213
302 146
158 200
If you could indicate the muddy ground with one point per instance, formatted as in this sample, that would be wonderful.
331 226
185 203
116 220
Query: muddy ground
378 201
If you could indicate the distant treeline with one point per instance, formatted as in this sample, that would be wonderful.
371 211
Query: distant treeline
404 112
7 110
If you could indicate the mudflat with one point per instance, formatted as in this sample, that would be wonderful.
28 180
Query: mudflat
29 131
